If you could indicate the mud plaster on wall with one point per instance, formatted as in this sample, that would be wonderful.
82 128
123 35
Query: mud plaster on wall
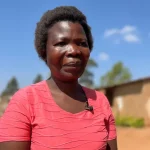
119 101
148 107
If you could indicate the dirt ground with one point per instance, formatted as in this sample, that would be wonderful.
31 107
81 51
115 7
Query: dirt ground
133 139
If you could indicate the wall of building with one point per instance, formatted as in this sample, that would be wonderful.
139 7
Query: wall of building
3 104
132 100
146 98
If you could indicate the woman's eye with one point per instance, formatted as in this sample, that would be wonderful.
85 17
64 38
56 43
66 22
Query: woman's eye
84 44
60 44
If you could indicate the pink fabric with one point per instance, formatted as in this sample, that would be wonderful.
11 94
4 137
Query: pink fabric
32 115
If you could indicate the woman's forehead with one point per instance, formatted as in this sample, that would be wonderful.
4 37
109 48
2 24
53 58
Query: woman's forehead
66 28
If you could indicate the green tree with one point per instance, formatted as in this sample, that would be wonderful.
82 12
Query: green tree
87 77
38 78
117 75
11 87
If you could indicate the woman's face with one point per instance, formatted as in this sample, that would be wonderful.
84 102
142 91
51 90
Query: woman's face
67 50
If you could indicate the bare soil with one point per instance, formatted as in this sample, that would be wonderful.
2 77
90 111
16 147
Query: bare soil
133 138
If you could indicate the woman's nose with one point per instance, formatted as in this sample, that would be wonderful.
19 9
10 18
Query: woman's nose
73 51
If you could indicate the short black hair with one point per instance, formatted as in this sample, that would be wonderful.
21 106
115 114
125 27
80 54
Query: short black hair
49 18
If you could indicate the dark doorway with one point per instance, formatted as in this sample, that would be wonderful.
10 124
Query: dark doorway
109 95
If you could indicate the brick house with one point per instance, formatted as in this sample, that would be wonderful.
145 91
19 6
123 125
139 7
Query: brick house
130 99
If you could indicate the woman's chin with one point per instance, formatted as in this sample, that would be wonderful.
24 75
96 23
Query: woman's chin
68 76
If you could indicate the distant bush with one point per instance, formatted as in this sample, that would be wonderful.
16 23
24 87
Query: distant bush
130 122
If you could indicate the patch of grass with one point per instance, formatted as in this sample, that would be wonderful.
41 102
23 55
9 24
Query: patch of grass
130 122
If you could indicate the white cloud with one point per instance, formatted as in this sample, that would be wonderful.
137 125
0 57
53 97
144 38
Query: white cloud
131 38
127 29
103 56
110 32
128 34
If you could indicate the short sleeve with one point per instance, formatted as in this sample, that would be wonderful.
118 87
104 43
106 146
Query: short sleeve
15 123
110 125
111 128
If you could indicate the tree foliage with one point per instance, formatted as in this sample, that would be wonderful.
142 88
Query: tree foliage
87 77
38 78
117 75
11 87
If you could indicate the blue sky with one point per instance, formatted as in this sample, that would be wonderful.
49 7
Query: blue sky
121 31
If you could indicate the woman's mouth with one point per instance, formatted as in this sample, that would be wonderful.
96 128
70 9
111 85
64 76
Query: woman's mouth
73 64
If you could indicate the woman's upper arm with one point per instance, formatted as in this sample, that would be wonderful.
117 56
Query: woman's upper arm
111 128
15 146
15 124
112 145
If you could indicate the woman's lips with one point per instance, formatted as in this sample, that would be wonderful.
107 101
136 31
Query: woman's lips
73 64
72 67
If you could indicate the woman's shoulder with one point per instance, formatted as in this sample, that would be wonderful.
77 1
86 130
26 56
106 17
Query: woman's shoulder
28 92
31 88
34 87
97 93
99 96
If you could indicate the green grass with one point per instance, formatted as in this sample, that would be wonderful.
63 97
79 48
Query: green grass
130 122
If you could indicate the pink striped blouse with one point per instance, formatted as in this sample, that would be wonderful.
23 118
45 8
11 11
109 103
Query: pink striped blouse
32 115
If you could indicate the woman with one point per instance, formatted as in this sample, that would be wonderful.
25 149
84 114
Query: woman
60 113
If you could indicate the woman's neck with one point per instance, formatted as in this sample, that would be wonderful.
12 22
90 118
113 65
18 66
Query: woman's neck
68 88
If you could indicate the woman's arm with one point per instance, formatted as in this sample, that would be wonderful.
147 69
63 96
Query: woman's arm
111 128
15 124
15 146
112 145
